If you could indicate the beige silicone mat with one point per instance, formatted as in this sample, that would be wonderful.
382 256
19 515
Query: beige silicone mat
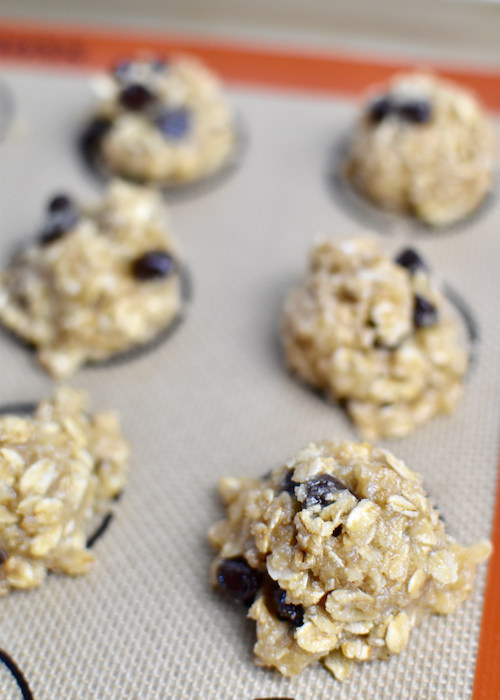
215 400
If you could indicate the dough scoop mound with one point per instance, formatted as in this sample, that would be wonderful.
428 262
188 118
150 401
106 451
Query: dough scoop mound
161 122
58 469
99 281
340 554
374 333
423 146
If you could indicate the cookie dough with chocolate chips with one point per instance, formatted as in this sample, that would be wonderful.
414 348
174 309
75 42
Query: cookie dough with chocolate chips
161 122
58 469
423 146
99 280
340 554
374 333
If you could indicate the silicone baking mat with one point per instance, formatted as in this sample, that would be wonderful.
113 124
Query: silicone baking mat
216 400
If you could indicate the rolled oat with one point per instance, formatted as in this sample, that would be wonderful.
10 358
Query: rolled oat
58 469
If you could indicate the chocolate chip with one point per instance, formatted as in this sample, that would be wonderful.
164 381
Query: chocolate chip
63 216
155 264
411 260
158 65
59 222
124 71
415 111
90 140
287 484
337 531
287 612
174 123
60 202
3 557
136 97
320 490
237 578
380 109
424 313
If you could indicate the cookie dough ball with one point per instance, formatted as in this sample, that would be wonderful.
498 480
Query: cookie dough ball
58 469
374 333
423 146
161 122
341 554
98 281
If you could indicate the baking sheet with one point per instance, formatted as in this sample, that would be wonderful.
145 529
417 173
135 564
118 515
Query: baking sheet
216 400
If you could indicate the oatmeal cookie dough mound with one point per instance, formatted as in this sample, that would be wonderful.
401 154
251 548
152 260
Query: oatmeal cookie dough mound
57 470
98 282
341 554
373 333
161 122
423 146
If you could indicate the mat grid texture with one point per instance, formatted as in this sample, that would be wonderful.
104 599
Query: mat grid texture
216 400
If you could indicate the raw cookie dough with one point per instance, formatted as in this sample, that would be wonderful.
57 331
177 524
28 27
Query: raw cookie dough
423 146
98 282
341 554
161 122
374 333
57 470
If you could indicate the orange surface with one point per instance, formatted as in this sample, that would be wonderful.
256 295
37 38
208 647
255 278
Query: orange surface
487 676
90 47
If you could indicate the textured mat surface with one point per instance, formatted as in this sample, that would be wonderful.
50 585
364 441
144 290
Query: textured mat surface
215 400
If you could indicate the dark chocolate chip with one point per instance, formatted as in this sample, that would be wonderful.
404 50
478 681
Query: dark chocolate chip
60 202
337 531
124 71
90 140
320 490
158 64
155 264
3 557
236 578
411 260
380 109
425 314
287 484
415 111
174 123
136 97
287 612
58 224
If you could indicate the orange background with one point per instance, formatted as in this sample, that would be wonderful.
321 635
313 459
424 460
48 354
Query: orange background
91 47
